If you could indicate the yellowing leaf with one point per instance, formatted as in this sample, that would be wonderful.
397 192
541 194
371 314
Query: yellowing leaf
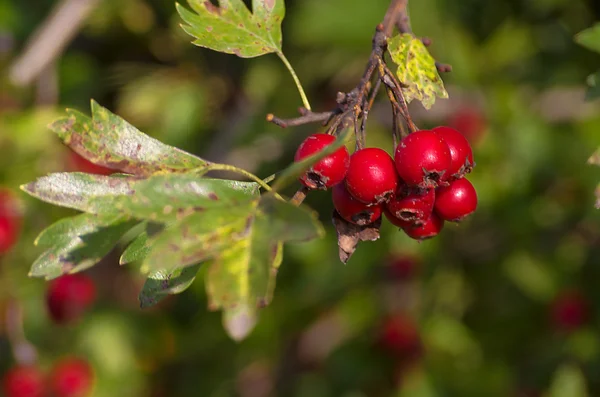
416 70
232 28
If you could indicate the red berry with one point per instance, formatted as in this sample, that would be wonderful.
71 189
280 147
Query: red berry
423 159
570 310
460 151
24 381
403 267
455 201
412 204
351 209
328 171
371 177
400 336
10 220
71 377
470 121
429 229
80 164
69 296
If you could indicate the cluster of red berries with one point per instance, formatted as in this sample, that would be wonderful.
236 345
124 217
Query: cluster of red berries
417 190
70 377
69 296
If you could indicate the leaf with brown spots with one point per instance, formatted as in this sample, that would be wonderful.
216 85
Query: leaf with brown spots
232 28
349 235
161 284
77 243
108 140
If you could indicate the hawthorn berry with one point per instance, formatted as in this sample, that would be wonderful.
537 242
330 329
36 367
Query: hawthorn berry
569 310
455 201
402 267
351 209
24 381
328 171
71 377
69 296
429 229
10 221
461 152
411 204
371 177
400 336
423 159
81 164
470 121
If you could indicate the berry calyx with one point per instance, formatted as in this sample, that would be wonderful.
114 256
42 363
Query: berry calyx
412 204
395 221
456 201
569 310
24 381
351 209
328 171
429 229
69 296
71 377
371 177
423 159
461 152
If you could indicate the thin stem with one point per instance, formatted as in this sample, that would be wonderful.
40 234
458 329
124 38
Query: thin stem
299 196
289 67
307 118
23 351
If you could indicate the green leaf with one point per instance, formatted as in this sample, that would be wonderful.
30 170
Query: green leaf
138 249
77 243
589 38
161 197
160 284
568 380
593 89
296 169
77 190
109 141
232 28
416 70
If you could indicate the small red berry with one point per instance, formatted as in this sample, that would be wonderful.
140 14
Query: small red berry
423 159
10 220
328 171
403 267
412 204
24 381
455 201
469 121
71 377
400 336
81 164
429 229
351 209
371 177
69 296
460 151
570 310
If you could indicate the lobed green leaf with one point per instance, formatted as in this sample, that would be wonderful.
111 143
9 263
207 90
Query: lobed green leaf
416 70
108 140
231 27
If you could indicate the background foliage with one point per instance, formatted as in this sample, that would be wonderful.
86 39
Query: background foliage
482 293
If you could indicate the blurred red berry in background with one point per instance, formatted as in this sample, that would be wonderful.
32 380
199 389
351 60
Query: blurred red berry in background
403 267
71 377
470 121
23 381
80 164
569 310
400 336
69 296
10 220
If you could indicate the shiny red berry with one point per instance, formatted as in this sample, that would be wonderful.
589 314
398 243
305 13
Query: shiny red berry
371 177
570 310
460 151
351 209
80 164
328 171
423 159
71 377
412 204
24 381
429 229
455 201
69 296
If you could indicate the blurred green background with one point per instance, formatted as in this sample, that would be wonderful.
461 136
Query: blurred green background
482 296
